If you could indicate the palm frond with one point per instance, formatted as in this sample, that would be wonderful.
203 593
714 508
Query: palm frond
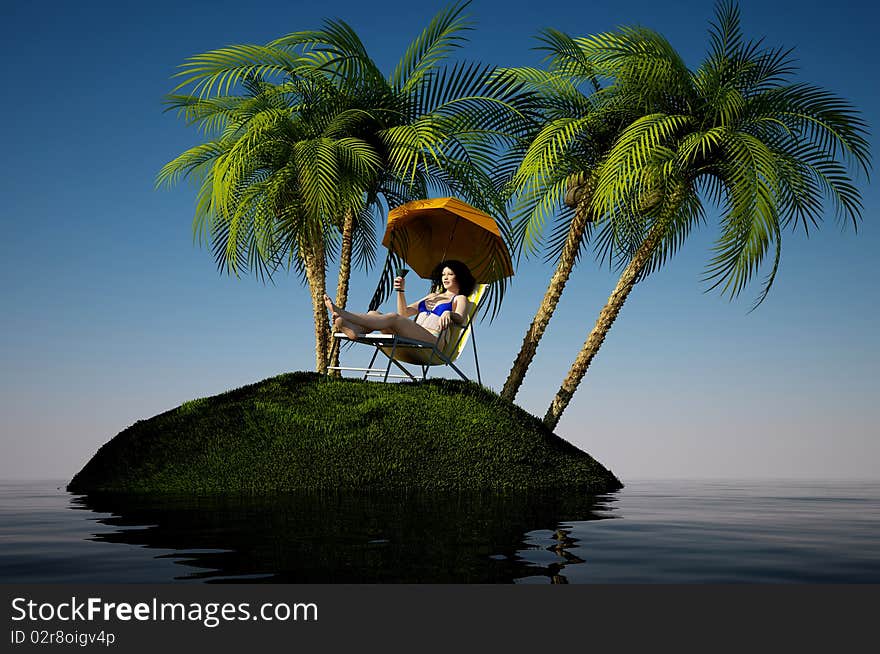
436 41
567 59
337 50
190 162
752 221
639 58
639 145
218 71
725 33
822 118
681 210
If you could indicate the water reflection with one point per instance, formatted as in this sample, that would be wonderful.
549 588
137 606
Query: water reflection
354 538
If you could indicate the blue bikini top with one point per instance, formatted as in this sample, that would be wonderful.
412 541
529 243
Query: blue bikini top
438 310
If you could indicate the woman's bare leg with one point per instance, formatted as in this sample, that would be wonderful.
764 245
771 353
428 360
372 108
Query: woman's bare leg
351 329
409 329
387 322
346 328
371 321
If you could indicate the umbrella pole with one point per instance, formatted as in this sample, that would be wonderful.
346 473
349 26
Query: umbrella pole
451 235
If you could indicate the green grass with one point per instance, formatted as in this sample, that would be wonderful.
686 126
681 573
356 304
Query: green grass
303 431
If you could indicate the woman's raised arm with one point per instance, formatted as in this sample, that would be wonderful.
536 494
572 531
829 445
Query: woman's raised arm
403 309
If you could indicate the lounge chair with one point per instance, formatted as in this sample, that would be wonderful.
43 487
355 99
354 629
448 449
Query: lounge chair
400 350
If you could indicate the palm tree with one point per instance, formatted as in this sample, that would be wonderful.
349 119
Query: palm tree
557 172
737 132
435 127
425 127
281 164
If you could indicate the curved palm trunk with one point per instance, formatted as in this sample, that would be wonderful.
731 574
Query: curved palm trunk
314 262
548 304
344 275
603 325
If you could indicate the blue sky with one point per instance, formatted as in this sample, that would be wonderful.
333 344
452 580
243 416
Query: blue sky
111 314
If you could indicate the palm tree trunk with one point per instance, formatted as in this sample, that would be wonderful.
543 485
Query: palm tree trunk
344 274
314 262
603 325
548 304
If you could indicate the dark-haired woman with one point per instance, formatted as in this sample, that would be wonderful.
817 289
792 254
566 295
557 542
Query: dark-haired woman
452 283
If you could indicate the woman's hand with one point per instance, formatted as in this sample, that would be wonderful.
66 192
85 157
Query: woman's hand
399 284
457 315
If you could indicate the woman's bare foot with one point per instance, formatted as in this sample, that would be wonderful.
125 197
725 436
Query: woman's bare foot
345 327
332 308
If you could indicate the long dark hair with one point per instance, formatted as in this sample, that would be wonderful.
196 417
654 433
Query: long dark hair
463 276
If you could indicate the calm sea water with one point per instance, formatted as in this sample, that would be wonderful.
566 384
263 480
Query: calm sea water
650 532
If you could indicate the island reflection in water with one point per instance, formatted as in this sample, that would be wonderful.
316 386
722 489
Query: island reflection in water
354 538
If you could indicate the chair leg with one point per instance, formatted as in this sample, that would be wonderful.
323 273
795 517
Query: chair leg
390 359
330 356
460 373
372 361
404 370
447 361
476 360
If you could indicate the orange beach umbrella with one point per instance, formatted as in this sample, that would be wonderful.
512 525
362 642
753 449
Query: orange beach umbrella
426 232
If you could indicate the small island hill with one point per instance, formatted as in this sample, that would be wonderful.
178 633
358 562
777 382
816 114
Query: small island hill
308 432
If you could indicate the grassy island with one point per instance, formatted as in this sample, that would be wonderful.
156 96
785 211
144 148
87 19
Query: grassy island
303 431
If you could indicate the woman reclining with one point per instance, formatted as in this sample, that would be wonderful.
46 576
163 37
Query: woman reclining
452 282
